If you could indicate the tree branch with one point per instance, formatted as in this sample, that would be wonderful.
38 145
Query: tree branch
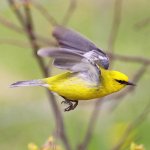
28 26
57 113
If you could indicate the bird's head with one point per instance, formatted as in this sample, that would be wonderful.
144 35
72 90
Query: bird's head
120 80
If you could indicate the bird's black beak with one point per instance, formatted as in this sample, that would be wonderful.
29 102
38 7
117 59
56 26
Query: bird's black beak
130 83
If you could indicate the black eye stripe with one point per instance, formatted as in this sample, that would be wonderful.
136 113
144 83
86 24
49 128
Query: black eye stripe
121 81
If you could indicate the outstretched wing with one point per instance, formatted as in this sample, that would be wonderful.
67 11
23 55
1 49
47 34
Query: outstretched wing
77 54
77 63
73 41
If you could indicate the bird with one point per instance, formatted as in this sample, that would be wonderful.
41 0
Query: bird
87 75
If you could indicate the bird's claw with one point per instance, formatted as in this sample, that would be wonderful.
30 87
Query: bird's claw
71 106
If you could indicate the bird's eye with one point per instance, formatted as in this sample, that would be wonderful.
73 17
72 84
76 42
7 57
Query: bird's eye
121 81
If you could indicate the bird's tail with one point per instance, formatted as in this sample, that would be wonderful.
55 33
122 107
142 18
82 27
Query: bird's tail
38 82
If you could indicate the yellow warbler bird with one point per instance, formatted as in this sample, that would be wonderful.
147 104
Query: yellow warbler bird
88 76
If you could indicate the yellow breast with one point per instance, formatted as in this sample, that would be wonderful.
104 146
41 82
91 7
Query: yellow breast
72 87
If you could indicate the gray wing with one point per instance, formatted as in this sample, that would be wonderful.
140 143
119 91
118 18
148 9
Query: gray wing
73 41
77 63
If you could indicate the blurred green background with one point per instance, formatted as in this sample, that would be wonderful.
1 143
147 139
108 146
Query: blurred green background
25 114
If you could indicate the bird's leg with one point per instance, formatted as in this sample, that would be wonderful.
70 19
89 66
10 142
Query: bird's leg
72 104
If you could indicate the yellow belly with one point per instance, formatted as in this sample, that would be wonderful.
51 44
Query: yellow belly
74 88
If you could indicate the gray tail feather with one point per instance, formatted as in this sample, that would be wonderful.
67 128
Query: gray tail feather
38 82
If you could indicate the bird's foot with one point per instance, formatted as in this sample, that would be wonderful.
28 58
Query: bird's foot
72 104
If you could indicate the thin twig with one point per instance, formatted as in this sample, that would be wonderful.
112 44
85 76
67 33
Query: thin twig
10 25
115 25
69 12
20 16
45 13
16 28
142 23
139 119
136 59
15 42
91 125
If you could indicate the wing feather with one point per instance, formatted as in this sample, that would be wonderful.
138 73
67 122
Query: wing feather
77 54
77 63
69 39
74 41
